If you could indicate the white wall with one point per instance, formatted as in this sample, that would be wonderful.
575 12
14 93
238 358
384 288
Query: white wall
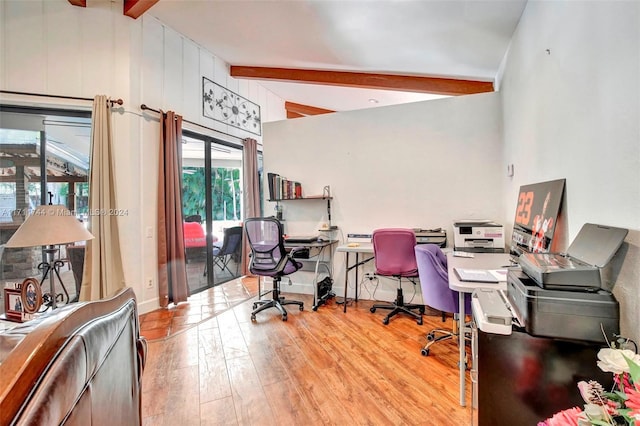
420 165
52 47
574 113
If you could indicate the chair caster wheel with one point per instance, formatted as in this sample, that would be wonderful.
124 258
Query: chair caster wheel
284 318
253 318
372 310
314 309
302 308
419 321
430 336
385 321
425 352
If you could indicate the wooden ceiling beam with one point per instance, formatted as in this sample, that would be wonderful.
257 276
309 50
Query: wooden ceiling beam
135 8
304 110
131 8
407 83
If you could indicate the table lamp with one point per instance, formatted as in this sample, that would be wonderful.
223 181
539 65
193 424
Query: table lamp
49 225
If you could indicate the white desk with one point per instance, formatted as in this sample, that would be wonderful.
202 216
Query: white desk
479 261
361 248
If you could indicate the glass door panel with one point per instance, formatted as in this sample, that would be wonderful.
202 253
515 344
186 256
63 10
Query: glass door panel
193 210
211 197
226 211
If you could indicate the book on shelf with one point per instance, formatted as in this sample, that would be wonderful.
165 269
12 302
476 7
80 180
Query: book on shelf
281 188
271 181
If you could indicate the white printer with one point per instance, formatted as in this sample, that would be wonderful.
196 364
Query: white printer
478 236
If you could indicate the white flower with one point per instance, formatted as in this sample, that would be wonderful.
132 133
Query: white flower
612 360
593 412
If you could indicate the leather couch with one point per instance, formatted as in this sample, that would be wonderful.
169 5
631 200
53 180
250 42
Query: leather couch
78 365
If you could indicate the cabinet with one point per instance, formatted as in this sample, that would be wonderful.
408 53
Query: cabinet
523 379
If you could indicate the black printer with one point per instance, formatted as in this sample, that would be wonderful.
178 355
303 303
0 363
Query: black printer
562 314
560 295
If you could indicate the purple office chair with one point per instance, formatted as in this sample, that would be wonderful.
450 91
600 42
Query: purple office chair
434 281
394 257
270 259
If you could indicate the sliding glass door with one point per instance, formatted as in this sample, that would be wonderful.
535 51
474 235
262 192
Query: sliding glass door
212 208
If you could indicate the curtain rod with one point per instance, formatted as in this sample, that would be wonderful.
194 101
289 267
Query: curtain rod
144 108
10 92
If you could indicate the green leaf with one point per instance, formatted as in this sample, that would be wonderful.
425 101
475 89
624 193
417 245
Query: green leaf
616 396
634 370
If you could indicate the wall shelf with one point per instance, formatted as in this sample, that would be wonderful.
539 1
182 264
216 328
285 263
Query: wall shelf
326 196
313 197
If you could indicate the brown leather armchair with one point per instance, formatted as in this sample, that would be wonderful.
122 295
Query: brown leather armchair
78 365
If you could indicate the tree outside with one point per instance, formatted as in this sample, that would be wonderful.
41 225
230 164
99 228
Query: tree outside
226 193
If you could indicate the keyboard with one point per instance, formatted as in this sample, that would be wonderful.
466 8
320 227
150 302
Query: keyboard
458 253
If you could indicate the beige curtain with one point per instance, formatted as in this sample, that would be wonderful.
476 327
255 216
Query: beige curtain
172 271
251 191
103 273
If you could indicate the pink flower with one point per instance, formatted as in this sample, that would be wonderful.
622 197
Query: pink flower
633 399
563 418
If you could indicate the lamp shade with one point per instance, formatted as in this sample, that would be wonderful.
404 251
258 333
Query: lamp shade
49 225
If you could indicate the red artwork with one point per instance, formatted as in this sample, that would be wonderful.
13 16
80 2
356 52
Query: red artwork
536 216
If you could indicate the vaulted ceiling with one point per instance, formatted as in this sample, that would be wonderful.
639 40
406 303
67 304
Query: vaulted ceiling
349 54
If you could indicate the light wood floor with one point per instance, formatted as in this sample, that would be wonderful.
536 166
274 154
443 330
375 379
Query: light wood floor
323 367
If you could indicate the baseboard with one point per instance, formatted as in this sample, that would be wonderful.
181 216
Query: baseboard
148 306
386 290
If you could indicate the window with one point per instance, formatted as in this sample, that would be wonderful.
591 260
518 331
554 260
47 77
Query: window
44 157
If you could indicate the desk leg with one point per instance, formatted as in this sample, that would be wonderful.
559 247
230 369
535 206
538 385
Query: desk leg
346 282
357 267
461 332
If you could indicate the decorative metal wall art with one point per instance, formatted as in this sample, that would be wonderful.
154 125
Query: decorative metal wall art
230 108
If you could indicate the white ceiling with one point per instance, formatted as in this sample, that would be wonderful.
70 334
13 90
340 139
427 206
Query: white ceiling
465 39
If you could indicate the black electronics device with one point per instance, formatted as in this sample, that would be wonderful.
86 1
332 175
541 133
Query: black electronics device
324 292
562 314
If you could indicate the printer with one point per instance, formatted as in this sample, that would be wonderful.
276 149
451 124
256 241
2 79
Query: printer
478 236
581 266
558 295
436 236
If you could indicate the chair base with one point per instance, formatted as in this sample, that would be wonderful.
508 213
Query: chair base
432 337
277 302
399 307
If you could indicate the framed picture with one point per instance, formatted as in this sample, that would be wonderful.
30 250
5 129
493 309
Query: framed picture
13 304
31 296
